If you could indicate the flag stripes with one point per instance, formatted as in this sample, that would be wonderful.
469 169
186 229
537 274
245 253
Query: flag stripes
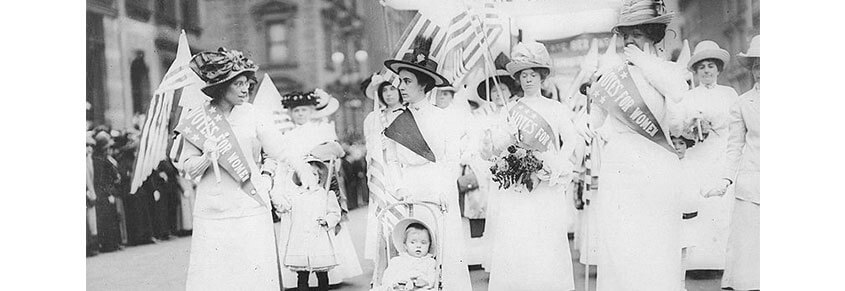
420 26
470 39
154 138
381 197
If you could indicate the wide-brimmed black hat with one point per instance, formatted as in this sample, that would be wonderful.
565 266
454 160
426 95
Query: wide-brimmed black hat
297 98
418 60
502 77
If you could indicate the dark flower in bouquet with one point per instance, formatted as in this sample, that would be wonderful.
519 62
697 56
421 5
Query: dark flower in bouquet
698 130
517 167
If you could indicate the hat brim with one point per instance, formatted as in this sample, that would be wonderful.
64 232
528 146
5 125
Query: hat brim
749 55
719 54
517 66
229 77
481 88
396 65
662 19
398 235
330 109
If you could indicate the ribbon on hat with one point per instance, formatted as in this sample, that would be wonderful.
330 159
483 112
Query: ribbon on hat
213 67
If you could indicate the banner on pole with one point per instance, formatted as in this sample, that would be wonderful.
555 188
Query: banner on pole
204 123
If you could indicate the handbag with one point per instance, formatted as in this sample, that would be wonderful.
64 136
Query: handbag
467 181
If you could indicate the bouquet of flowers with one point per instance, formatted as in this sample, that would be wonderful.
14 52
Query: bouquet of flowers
517 167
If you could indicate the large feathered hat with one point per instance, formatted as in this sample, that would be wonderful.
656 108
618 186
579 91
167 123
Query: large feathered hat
220 66
529 55
636 12
417 59
297 98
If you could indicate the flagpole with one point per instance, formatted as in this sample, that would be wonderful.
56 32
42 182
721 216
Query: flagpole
488 58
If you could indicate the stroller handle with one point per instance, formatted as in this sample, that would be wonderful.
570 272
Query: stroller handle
430 206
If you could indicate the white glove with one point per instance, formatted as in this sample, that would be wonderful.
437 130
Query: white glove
211 150
716 188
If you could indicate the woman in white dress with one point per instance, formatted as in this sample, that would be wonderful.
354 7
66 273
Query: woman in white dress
389 106
300 140
530 245
640 217
742 267
710 103
428 173
491 116
232 247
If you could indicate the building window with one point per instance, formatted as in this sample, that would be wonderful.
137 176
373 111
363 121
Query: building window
139 10
279 44
139 75
95 68
166 12
190 15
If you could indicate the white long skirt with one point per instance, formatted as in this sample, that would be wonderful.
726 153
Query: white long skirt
709 231
742 269
233 254
530 244
640 219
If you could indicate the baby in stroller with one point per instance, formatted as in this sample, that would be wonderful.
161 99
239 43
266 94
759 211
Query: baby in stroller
415 267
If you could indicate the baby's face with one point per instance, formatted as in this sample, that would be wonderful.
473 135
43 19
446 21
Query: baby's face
417 243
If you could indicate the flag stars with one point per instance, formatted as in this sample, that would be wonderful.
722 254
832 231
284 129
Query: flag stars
195 138
623 75
218 117
212 109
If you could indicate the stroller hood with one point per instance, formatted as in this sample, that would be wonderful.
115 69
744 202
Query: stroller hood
398 235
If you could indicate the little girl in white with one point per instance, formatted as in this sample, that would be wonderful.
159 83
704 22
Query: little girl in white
314 212
414 268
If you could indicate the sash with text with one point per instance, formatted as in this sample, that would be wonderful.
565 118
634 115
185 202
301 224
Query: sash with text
204 123
534 130
616 92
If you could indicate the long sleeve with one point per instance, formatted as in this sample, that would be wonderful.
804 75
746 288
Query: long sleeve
332 210
192 161
663 76
736 141
271 140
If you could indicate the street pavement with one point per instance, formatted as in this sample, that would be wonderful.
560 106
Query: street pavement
163 266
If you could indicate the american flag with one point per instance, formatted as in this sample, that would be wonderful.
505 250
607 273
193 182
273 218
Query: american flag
471 35
162 114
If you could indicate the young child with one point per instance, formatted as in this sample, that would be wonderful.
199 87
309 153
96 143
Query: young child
689 204
414 268
314 213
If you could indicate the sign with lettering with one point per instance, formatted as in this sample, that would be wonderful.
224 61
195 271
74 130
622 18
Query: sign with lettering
616 92
207 123
534 130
